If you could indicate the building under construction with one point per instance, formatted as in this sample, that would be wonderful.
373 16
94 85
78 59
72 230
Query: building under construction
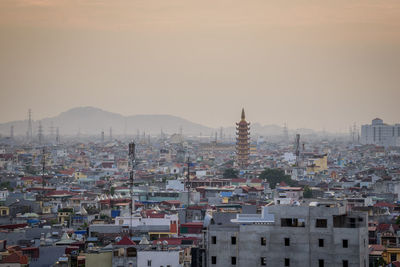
242 141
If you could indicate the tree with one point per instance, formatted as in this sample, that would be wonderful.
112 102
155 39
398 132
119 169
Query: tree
230 173
276 176
112 191
307 192
398 220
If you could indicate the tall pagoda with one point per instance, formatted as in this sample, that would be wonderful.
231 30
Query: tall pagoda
242 141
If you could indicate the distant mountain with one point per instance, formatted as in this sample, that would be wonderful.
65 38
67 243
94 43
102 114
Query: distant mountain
92 121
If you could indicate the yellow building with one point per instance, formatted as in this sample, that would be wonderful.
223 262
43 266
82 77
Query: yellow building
317 163
46 209
79 175
98 259
64 215
4 211
391 254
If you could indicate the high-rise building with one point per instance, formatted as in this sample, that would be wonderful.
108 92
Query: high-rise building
242 141
381 134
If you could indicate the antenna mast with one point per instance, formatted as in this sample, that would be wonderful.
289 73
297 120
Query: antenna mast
30 125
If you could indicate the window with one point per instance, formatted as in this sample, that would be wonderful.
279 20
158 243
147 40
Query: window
321 263
345 263
131 252
321 223
292 222
321 243
148 263
233 240
345 243
287 262
214 260
287 242
233 260
393 257
263 261
213 239
263 241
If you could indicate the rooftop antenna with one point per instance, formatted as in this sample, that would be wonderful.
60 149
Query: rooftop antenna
131 153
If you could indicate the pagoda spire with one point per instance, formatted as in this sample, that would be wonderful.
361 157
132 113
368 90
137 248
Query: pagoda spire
242 141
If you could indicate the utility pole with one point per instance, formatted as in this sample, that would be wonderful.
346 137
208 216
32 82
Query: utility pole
43 165
131 153
297 149
187 188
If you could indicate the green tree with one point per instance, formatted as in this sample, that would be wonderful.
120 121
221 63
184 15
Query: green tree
307 192
230 173
276 176
398 220
112 191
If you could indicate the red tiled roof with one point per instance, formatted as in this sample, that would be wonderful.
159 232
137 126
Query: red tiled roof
15 258
384 204
172 202
126 241
385 226
175 240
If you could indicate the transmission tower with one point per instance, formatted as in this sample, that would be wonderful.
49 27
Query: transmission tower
29 132
40 133
57 136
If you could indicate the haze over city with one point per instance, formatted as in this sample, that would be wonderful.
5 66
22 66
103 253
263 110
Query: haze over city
311 64
199 133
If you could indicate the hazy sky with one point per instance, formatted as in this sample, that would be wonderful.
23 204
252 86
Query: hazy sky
317 64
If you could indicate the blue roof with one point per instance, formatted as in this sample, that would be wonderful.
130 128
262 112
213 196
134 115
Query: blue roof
226 194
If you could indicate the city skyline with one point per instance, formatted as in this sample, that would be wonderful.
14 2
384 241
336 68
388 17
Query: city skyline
123 124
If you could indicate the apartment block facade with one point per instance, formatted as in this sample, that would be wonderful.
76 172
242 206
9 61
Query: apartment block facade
314 235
